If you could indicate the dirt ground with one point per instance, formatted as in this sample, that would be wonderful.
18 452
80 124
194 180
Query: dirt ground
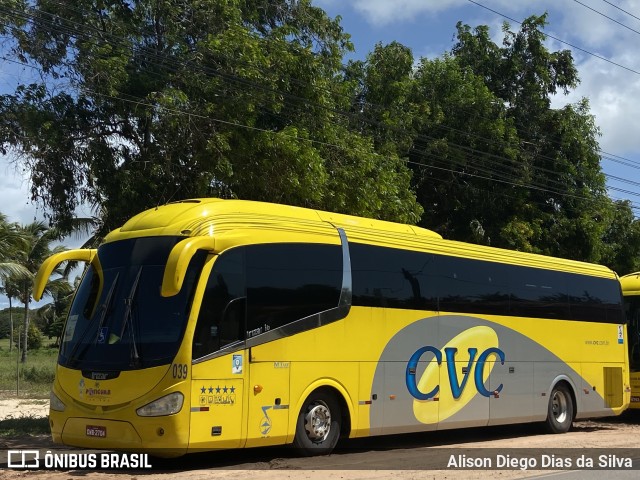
403 457
11 407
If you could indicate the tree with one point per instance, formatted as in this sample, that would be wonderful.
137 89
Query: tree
622 240
552 190
463 153
166 100
53 315
11 243
38 248
382 105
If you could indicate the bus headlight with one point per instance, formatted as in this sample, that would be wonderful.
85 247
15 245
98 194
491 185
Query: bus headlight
55 403
166 405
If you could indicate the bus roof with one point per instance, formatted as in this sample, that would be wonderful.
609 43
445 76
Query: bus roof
196 217
631 284
209 216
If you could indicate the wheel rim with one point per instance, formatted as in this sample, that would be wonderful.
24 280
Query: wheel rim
317 422
559 407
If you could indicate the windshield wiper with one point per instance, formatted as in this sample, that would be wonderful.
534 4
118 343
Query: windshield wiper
135 356
106 306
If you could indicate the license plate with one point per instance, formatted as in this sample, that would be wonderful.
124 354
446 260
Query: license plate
96 431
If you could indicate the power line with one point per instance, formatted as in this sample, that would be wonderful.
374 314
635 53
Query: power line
470 152
488 173
621 9
564 42
226 76
607 16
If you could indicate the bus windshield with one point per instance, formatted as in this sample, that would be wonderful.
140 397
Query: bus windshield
118 319
632 307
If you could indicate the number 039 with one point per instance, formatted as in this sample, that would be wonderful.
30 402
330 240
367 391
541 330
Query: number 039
179 370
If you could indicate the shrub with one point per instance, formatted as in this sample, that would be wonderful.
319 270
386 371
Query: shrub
34 338
41 374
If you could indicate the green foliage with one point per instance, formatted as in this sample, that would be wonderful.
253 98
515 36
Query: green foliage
18 317
30 245
565 211
250 99
35 376
17 427
464 153
621 240
34 338
201 98
38 375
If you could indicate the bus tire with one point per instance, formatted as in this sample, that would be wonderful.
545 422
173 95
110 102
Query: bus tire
318 424
560 410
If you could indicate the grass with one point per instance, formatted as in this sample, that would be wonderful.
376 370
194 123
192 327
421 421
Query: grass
36 376
16 427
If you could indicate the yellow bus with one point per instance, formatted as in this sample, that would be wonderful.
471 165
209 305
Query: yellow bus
631 291
209 323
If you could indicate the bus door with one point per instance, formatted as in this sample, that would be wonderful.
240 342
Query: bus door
268 406
220 360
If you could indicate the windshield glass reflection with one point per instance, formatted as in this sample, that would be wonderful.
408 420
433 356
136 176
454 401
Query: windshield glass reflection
119 320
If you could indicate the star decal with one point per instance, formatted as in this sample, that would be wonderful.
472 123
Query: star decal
202 390
218 389
232 389
210 389
224 390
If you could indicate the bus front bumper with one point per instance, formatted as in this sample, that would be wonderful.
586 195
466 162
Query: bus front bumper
151 437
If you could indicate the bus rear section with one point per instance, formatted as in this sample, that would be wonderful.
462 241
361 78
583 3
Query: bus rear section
631 292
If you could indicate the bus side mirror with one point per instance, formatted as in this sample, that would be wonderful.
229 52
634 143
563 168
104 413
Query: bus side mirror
178 262
50 264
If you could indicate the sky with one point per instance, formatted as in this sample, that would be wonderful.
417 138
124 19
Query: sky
428 28
613 91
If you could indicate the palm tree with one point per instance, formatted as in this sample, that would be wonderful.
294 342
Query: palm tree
55 313
38 248
12 241
10 289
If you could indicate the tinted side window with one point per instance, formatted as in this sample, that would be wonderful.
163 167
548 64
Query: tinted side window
221 320
612 296
287 282
595 299
393 278
539 293
472 286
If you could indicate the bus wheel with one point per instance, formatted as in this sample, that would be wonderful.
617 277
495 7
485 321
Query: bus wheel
560 411
318 424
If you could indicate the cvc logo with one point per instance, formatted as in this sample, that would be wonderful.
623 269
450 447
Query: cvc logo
457 386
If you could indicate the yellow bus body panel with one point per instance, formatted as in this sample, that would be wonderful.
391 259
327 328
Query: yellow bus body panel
257 401
631 288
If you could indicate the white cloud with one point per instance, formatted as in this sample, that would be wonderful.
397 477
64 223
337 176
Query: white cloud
614 97
15 200
613 92
382 12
